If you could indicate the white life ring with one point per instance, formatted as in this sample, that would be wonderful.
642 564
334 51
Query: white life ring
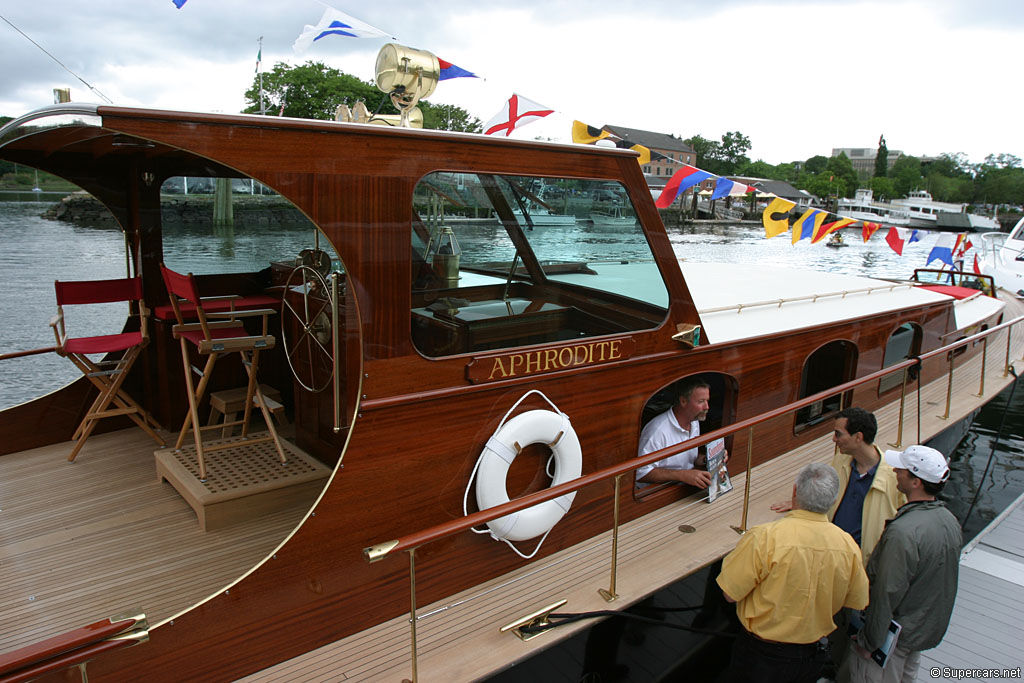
535 426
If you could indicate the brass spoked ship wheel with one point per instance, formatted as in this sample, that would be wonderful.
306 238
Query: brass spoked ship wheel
306 327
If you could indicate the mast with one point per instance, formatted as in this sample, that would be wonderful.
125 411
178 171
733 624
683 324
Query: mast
259 70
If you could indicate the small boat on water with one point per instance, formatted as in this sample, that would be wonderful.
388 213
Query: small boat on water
408 364
836 240
613 218
541 216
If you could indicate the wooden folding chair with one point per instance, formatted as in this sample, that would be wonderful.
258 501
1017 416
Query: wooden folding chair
213 339
108 374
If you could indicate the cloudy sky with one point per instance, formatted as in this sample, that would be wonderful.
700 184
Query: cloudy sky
798 77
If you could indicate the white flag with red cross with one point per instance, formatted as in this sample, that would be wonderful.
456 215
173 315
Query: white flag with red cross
517 112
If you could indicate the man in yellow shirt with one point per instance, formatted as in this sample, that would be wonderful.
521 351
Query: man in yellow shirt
788 578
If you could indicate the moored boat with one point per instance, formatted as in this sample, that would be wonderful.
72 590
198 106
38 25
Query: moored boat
863 207
1001 255
928 213
397 366
613 218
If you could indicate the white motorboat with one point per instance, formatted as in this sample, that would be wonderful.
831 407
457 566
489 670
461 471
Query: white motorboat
1002 257
613 218
541 216
863 207
926 212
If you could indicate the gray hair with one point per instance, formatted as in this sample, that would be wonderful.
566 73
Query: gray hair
817 486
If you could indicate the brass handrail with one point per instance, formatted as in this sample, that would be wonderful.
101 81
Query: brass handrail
74 648
380 551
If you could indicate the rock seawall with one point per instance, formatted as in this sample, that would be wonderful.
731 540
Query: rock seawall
249 212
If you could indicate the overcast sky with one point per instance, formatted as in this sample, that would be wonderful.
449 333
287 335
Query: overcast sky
797 77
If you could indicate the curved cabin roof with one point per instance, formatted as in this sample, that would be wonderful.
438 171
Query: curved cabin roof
344 175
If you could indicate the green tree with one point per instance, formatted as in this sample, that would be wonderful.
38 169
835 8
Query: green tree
708 152
735 146
449 117
1002 161
1001 182
758 169
883 189
882 158
951 166
311 91
842 168
314 90
721 158
824 184
816 164
906 175
788 172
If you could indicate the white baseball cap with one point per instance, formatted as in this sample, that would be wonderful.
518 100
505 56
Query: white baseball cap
921 461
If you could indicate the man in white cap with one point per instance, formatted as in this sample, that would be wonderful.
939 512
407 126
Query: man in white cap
913 572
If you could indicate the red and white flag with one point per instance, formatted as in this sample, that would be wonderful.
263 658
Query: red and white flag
517 112
896 240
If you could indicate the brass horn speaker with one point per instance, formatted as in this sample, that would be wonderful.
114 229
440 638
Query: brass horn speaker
407 75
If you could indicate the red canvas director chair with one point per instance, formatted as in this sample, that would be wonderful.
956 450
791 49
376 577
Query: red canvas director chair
227 334
109 374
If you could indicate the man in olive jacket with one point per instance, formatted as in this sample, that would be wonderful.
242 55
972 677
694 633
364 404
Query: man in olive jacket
913 572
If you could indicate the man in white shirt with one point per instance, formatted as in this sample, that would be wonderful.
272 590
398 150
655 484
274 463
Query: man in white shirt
676 425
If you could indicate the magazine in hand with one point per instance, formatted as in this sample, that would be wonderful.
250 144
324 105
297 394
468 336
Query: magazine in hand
720 482
881 655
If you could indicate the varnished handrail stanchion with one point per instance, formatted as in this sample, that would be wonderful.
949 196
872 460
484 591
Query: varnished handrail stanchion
412 610
742 528
610 595
949 386
903 404
984 360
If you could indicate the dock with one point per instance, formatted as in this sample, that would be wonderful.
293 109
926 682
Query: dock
987 626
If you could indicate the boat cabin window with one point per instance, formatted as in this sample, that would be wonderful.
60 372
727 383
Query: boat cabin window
904 343
722 397
505 261
831 365
233 225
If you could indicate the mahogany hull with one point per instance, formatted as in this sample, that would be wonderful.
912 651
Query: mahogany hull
417 424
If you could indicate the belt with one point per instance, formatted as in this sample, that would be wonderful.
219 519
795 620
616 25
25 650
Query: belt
788 648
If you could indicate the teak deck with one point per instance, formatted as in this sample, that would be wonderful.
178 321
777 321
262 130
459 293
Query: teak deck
85 540
114 538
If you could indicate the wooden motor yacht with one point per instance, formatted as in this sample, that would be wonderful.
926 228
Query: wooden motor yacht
405 349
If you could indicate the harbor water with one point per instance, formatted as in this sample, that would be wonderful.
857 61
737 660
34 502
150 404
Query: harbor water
36 251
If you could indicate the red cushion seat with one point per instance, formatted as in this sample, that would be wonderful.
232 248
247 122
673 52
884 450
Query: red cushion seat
953 291
243 303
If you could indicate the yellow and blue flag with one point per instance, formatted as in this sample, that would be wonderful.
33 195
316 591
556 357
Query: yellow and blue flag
808 224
